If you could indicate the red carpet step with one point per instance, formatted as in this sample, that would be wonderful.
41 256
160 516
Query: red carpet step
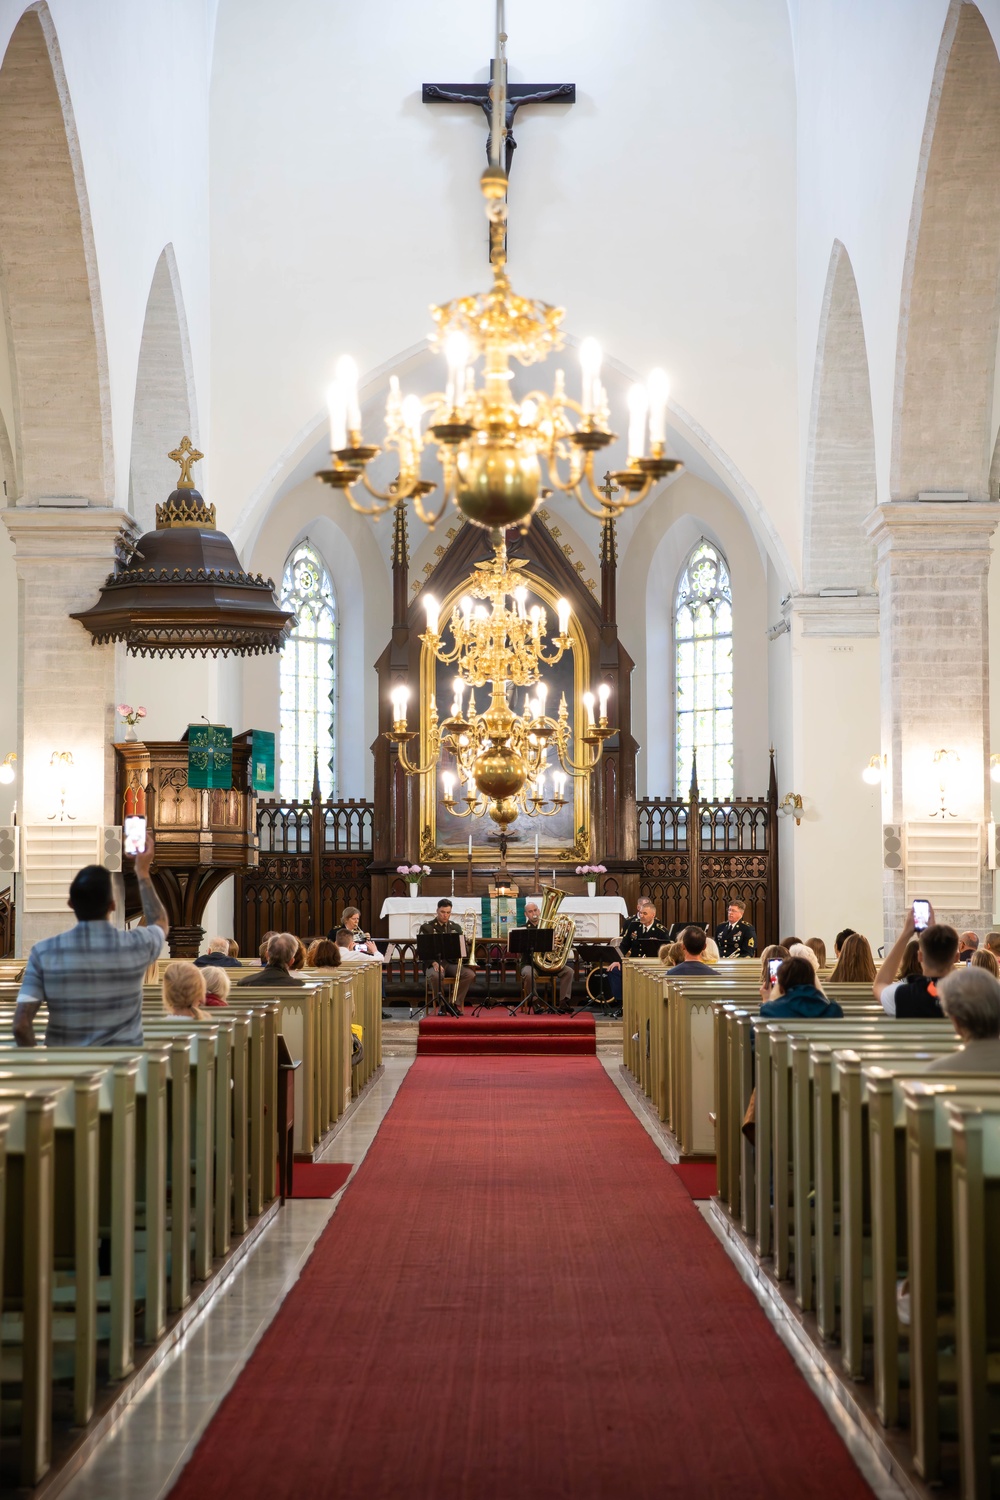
506 1035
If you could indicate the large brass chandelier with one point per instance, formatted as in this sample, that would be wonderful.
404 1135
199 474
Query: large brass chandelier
491 447
500 759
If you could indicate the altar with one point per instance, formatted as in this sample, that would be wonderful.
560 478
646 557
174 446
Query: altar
596 917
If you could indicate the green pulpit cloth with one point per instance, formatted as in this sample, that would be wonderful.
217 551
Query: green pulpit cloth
262 760
210 757
498 914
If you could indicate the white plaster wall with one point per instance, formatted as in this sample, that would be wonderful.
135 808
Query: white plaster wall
659 209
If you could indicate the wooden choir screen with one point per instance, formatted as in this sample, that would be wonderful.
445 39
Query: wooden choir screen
696 856
314 859
6 923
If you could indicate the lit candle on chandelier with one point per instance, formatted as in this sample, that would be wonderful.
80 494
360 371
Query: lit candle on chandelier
400 698
658 388
559 779
456 352
347 379
638 405
457 702
431 607
590 369
588 703
337 407
562 610
448 780
603 694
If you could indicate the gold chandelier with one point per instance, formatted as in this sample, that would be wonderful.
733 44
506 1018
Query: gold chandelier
491 447
501 759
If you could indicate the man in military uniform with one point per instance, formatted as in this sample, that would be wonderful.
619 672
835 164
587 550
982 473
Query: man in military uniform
441 924
639 928
563 977
736 938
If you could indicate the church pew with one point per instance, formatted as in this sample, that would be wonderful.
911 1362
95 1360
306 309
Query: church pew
930 1226
975 1159
30 1114
200 1163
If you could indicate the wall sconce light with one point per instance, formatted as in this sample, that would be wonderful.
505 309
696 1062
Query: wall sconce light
872 772
7 772
995 767
790 806
62 772
945 761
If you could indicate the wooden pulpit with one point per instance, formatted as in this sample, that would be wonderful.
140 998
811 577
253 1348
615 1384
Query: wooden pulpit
202 836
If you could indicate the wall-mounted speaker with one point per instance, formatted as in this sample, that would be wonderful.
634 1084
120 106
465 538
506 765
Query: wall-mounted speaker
10 850
110 854
892 846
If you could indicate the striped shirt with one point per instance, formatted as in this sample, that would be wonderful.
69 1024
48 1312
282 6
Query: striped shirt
91 980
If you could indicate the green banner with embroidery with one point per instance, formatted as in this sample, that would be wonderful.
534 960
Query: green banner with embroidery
210 757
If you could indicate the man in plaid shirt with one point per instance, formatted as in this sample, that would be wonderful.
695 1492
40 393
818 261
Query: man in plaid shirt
91 976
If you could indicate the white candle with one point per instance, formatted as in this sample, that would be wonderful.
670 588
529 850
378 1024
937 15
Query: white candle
638 405
449 784
470 845
413 410
603 694
562 610
337 407
658 387
536 848
588 703
456 352
347 378
590 369
431 608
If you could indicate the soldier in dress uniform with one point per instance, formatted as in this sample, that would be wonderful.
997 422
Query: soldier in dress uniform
638 928
440 924
736 938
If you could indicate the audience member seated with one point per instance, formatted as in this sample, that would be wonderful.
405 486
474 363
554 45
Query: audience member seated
90 977
970 998
693 940
993 943
216 986
802 950
184 990
796 994
771 952
262 950
968 942
234 948
916 998
711 954
323 954
841 939
855 964
299 961
819 948
279 956
789 943
984 959
217 956
909 964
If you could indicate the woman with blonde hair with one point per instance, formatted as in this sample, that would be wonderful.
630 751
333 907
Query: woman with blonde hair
773 950
216 986
984 959
855 964
711 954
184 990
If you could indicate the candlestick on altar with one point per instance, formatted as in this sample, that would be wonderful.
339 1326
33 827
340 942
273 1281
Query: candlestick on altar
453 880
468 871
536 867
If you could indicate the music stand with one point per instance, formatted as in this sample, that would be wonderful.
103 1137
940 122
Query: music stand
599 956
530 940
441 948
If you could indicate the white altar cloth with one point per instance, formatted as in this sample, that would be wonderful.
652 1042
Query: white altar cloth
596 917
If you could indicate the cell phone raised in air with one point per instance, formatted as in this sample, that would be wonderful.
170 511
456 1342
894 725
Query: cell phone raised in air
921 915
773 965
135 836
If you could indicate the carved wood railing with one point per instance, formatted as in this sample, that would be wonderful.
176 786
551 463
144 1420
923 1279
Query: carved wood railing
696 856
313 861
6 923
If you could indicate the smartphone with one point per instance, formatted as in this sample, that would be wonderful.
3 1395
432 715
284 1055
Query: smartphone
921 915
773 965
135 836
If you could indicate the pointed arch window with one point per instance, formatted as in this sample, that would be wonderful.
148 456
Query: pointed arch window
703 641
308 677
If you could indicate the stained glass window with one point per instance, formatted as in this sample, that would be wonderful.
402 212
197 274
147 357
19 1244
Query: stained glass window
308 678
703 640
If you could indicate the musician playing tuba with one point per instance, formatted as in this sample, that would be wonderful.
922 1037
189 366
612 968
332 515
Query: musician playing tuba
563 976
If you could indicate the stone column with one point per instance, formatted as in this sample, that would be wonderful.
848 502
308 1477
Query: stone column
933 561
830 859
66 684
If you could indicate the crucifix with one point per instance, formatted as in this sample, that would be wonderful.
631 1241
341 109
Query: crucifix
481 95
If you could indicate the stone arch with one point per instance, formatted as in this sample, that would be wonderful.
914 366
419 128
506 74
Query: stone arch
840 488
165 407
62 437
946 350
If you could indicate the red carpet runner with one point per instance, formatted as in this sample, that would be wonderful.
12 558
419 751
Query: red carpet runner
459 1036
518 1300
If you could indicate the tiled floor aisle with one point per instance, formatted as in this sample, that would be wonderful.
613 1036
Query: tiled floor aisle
140 1460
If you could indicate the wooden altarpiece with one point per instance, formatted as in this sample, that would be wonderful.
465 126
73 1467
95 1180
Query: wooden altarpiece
399 836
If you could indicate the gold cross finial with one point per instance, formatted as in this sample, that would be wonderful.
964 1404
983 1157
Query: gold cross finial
185 454
607 489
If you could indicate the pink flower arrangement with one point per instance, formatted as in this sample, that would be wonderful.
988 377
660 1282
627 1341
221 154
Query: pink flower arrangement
591 869
129 714
413 872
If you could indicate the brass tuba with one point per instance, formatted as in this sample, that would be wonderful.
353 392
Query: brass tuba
563 933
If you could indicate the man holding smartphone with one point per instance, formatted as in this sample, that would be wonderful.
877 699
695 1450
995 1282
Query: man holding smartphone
917 998
91 976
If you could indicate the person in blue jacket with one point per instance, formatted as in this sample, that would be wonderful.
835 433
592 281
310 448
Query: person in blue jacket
795 993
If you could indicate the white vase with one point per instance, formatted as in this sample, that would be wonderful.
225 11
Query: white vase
130 733
591 887
414 889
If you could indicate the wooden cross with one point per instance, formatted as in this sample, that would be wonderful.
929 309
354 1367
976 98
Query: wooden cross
517 94
185 454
